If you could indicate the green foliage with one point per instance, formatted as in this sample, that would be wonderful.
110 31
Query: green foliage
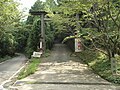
9 13
105 17
49 35
100 17
34 38
21 36
30 68
97 21
50 7
70 17
5 58
38 6
9 20
100 64
7 44
47 53
35 30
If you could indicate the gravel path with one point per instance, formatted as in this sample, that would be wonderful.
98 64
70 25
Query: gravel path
60 71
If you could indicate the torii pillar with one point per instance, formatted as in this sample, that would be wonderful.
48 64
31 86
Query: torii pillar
42 14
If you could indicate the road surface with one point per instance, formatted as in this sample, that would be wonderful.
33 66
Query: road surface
61 71
9 67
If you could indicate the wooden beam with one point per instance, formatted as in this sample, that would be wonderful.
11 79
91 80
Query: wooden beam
37 12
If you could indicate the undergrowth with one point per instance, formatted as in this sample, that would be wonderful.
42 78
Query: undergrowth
100 64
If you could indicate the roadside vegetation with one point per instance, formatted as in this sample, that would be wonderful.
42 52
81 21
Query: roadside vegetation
100 64
30 68
5 58
22 36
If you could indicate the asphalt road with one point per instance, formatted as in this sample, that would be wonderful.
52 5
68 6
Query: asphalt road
11 66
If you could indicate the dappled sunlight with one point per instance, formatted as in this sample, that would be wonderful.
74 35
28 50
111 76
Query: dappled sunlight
65 87
28 79
62 69
69 71
25 87
48 72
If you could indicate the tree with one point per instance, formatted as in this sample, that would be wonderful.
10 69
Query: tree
21 35
70 17
38 6
105 16
9 19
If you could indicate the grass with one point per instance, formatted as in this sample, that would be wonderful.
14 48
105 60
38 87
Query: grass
30 68
100 64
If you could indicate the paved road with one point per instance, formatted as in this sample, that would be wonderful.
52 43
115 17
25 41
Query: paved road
9 67
60 71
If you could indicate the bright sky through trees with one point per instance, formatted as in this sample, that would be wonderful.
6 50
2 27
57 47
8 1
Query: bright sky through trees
26 4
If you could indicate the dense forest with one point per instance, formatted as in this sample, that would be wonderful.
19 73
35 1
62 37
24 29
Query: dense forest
22 36
95 22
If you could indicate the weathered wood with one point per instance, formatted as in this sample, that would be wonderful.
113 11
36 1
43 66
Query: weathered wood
43 31
37 12
42 14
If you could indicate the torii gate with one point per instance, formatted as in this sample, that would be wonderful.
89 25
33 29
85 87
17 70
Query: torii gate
41 14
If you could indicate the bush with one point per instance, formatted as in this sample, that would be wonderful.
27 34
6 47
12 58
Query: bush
5 58
21 36
7 45
100 64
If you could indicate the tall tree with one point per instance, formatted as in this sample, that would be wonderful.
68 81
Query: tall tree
38 6
69 17
9 19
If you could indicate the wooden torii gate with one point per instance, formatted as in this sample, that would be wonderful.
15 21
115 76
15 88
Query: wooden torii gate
41 14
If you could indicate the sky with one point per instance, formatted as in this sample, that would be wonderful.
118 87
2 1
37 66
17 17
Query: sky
26 4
